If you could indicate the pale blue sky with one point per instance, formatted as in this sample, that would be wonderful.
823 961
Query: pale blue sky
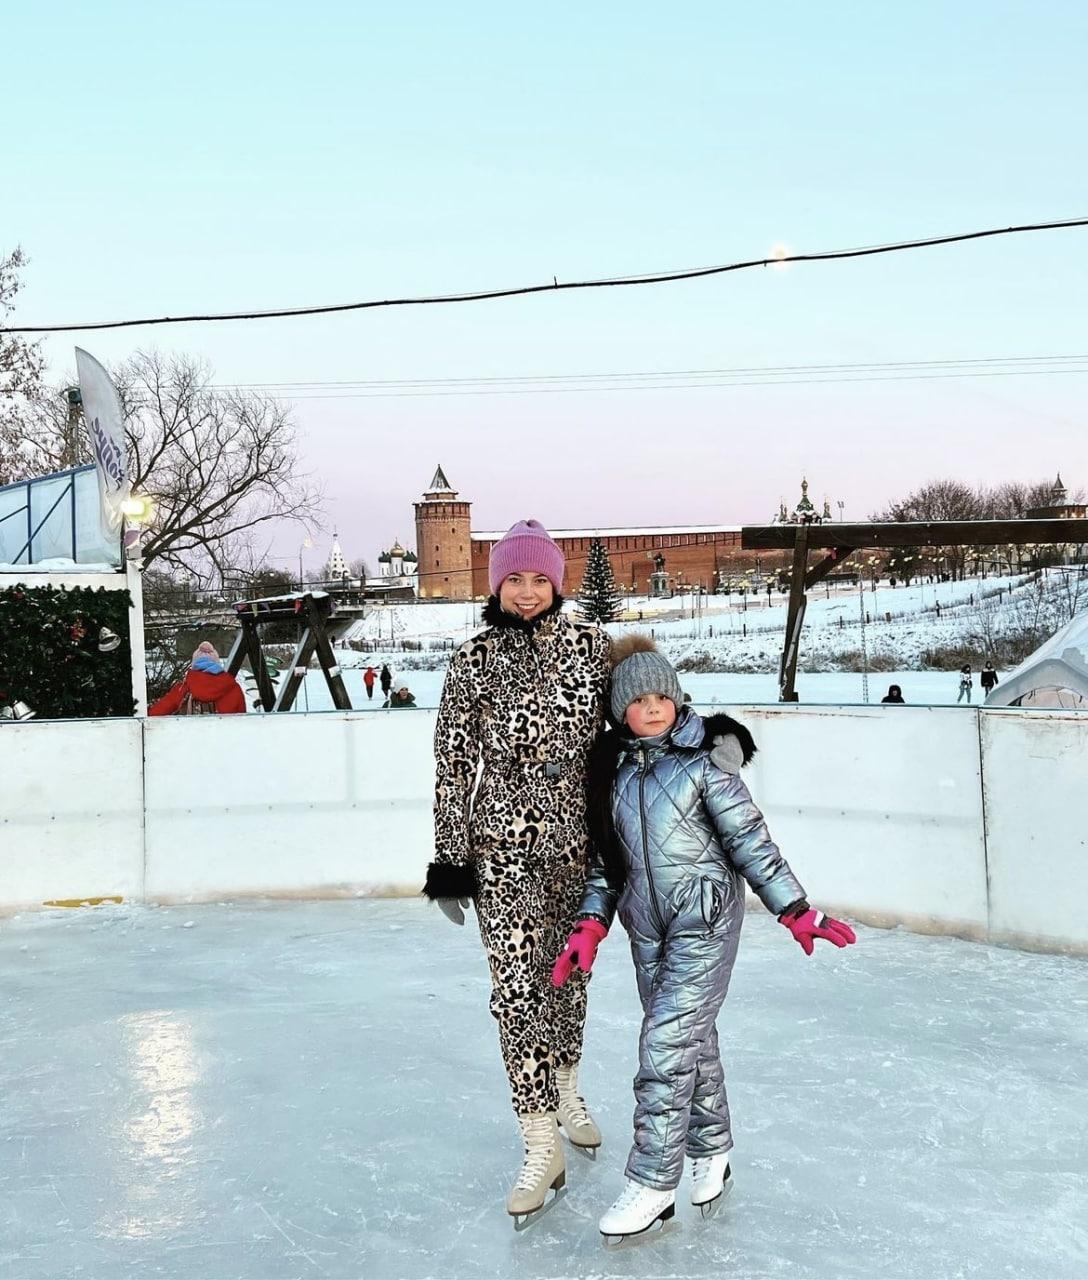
225 156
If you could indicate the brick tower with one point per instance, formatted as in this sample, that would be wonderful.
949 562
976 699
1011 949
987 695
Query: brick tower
444 542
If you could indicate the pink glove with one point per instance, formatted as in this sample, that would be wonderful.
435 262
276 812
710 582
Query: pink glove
580 951
810 924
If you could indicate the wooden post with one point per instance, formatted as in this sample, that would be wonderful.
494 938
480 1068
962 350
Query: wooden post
327 658
252 641
795 616
300 661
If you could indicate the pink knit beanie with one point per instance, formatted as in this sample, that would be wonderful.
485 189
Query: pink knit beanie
526 547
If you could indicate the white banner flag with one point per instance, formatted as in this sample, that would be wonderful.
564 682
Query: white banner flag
102 414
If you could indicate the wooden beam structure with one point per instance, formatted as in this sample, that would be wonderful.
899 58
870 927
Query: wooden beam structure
313 610
841 540
921 533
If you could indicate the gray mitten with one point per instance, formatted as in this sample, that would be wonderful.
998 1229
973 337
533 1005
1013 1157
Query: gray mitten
727 754
453 909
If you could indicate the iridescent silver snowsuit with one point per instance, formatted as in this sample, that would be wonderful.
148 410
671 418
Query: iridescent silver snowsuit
685 837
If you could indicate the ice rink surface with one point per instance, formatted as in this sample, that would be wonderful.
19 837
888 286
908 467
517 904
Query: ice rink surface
313 1089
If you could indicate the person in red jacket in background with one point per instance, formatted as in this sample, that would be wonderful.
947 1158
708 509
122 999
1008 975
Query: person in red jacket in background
206 689
369 676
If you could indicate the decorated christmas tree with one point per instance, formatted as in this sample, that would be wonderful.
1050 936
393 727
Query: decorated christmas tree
64 652
598 600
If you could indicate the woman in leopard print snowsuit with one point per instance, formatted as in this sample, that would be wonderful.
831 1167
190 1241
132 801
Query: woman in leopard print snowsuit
525 697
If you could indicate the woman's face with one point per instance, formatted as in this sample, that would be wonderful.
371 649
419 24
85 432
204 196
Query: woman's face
526 595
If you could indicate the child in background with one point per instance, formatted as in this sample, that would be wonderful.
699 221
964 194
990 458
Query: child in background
965 684
674 838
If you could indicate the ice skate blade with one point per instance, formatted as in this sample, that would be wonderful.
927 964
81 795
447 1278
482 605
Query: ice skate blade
590 1153
523 1221
651 1231
588 1149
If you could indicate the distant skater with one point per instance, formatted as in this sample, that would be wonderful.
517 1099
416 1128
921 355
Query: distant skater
988 678
965 684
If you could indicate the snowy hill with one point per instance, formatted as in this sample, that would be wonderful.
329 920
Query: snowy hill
898 626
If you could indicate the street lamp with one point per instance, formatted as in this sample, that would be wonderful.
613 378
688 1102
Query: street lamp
307 545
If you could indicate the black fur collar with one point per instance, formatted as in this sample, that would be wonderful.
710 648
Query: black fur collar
496 616
718 725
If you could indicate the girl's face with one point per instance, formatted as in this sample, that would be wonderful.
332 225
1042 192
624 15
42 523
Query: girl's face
526 595
650 715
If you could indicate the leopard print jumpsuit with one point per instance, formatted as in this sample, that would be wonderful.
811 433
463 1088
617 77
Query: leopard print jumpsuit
527 700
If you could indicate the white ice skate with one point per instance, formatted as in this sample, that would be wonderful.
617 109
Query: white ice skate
574 1116
543 1169
711 1182
636 1211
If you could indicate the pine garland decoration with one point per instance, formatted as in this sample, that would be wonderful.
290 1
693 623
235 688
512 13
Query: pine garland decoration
49 654
599 600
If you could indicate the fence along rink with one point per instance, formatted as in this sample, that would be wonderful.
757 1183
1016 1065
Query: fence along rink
951 820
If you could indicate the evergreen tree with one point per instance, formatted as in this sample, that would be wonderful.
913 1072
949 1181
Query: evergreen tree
598 600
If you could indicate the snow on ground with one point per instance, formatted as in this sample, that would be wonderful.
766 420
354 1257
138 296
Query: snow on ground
268 1091
902 623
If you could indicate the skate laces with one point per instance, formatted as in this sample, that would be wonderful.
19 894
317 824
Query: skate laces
576 1109
701 1167
633 1194
537 1157
571 1100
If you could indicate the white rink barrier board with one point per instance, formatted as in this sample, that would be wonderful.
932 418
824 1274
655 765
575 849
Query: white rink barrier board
946 820
877 809
292 804
71 811
1035 774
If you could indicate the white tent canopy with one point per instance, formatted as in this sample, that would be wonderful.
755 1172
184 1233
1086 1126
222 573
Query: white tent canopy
1055 675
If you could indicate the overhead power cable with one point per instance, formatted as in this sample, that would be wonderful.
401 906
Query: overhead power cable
666 379
608 282
654 373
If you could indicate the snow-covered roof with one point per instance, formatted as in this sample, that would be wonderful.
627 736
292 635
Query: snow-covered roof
61 565
649 532
1055 675
439 483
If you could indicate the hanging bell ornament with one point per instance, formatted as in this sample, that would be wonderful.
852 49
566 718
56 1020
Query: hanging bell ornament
108 640
20 711
6 713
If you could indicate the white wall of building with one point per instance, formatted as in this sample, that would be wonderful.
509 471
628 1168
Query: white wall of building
950 820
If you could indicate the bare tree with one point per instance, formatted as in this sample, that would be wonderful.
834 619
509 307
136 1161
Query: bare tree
359 569
21 369
217 464
937 500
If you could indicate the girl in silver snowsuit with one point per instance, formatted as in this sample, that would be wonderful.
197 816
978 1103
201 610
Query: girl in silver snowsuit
675 837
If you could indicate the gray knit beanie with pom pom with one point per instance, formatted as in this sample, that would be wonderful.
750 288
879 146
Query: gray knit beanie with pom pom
638 669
